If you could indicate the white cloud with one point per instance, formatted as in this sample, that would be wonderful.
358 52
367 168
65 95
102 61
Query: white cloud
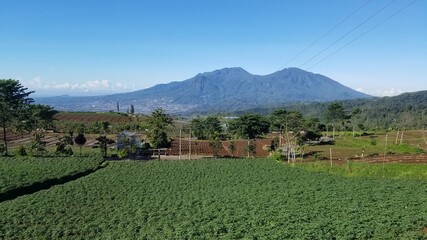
35 83
121 86
95 85
382 92
98 86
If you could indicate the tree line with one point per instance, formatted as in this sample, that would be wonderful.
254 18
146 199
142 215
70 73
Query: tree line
20 114
405 111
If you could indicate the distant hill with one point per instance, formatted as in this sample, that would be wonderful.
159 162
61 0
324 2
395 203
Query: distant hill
228 89
407 110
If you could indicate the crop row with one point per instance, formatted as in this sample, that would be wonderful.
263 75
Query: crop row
92 117
218 199
17 172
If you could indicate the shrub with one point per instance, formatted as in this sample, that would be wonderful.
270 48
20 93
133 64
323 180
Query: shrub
22 151
2 149
122 153
277 155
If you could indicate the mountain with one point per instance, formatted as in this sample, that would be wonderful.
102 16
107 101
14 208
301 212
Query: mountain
227 89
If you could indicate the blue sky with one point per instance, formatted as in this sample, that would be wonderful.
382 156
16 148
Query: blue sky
99 47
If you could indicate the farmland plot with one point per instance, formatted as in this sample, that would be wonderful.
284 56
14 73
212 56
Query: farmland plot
218 199
85 117
18 172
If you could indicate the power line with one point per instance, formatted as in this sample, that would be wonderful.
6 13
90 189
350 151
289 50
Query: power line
325 34
352 30
361 35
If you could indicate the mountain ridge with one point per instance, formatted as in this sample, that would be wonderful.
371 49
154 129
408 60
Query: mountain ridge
226 89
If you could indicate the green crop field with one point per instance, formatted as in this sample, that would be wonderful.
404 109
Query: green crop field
17 172
363 169
347 146
218 199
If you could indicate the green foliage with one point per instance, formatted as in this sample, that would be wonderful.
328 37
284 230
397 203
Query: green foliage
206 128
277 155
2 149
334 112
103 144
14 102
38 144
404 149
274 144
218 199
250 149
80 140
310 136
215 144
363 169
62 150
21 151
157 124
63 147
17 172
123 153
284 120
249 126
404 111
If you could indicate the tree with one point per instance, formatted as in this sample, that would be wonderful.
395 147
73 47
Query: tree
42 116
213 127
249 126
290 124
38 144
36 116
334 114
132 109
354 118
158 123
103 144
104 126
277 119
80 140
64 145
206 128
198 128
14 101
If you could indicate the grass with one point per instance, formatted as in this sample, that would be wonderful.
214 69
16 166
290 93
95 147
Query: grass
218 199
363 169
347 146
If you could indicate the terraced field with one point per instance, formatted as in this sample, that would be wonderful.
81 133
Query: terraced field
91 117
